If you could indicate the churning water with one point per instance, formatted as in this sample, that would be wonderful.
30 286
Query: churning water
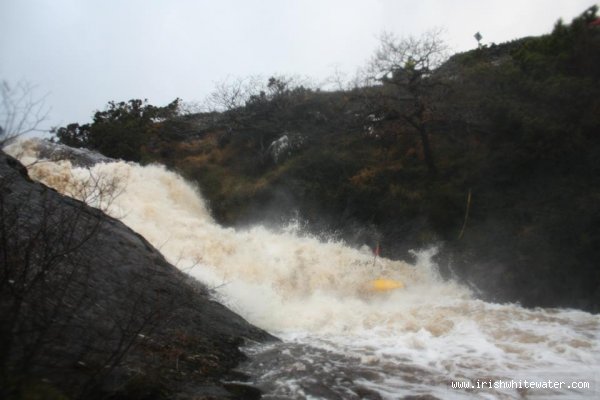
341 341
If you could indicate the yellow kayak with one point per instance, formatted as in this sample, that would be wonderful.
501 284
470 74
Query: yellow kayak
383 285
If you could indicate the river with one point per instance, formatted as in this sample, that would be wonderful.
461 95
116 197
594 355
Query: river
342 340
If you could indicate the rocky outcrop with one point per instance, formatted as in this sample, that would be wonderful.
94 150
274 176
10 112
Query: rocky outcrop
89 309
78 157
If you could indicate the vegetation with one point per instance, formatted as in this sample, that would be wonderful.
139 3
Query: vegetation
21 111
121 130
405 67
492 152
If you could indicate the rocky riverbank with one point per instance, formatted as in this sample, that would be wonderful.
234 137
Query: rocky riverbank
89 309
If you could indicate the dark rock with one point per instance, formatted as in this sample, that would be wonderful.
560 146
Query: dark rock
244 391
92 309
78 157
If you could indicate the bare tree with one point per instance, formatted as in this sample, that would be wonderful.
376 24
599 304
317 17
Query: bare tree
232 93
405 66
21 111
98 190
414 56
41 264
51 315
257 109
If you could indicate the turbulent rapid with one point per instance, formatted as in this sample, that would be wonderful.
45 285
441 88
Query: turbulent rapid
341 340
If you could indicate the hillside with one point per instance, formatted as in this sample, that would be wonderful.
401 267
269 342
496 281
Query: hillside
494 156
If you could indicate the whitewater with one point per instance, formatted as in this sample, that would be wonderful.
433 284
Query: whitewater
339 339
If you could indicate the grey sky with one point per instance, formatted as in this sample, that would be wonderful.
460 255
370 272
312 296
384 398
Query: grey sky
87 52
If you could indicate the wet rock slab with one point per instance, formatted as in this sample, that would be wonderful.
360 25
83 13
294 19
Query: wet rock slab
103 314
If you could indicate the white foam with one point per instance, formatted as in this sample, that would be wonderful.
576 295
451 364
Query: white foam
307 290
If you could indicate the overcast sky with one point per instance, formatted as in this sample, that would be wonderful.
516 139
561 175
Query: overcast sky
84 53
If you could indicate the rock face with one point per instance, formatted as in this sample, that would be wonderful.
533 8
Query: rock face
282 148
77 157
89 309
